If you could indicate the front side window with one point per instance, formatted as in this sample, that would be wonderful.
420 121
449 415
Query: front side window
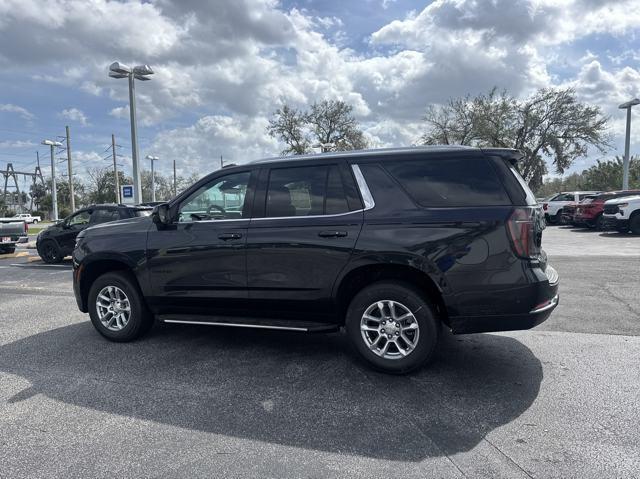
79 219
221 199
305 191
450 182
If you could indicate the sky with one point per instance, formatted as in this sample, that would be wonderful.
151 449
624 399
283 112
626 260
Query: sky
223 67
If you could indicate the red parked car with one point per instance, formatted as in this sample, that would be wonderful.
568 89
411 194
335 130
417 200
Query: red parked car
567 216
589 212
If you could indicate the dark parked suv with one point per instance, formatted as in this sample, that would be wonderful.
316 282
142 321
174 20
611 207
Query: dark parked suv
58 240
391 244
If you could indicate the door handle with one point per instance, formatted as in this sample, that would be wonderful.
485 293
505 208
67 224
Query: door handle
332 234
229 236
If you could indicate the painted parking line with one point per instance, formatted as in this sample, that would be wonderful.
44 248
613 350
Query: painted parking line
14 255
43 266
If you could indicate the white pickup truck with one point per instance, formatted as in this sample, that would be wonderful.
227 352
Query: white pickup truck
12 231
27 218
623 214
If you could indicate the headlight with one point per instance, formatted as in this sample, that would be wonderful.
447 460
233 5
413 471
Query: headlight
622 205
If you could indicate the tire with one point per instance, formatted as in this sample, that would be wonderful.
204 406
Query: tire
50 252
35 222
139 320
406 298
599 222
634 224
8 250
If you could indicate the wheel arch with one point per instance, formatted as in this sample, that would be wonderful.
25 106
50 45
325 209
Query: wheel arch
93 269
361 276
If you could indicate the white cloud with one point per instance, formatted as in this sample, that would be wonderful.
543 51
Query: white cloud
231 64
23 112
76 115
17 144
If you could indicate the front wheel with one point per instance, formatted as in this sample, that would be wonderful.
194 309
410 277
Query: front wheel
117 308
50 252
392 327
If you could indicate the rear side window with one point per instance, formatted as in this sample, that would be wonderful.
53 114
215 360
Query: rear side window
450 182
104 216
305 191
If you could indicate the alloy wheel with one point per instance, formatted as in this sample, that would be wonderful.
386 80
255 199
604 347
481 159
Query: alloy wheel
113 308
389 329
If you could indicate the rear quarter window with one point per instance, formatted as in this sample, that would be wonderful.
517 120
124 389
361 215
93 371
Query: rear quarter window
450 182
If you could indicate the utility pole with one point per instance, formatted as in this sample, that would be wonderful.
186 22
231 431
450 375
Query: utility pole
175 183
70 171
115 168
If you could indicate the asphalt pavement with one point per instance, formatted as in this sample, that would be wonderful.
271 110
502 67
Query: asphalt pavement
557 401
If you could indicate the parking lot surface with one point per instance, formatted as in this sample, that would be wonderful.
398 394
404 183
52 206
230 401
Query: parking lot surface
557 401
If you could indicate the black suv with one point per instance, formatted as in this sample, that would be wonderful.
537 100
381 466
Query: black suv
58 240
391 244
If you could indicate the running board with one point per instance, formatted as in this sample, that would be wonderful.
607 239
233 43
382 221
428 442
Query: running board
282 325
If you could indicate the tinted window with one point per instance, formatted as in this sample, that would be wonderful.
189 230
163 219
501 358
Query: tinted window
221 199
79 219
450 182
336 200
104 216
563 197
305 191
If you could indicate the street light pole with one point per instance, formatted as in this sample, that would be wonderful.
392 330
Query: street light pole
54 194
140 72
115 168
627 140
70 171
137 187
153 177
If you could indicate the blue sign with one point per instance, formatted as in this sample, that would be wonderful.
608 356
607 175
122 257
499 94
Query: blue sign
126 194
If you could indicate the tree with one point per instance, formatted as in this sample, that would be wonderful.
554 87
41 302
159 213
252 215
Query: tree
551 124
607 175
102 185
330 122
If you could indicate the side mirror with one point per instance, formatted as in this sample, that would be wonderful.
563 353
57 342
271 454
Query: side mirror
160 214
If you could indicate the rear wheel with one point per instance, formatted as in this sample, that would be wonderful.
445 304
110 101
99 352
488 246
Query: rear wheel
50 252
35 222
117 308
392 327
599 223
634 224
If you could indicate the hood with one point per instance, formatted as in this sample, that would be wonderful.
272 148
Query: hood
622 199
129 225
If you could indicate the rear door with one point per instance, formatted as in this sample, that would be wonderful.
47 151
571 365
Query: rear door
309 218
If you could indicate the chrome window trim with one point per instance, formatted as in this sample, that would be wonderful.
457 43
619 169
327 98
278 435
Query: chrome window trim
369 202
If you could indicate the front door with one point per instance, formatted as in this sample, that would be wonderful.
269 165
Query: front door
197 264
70 229
303 240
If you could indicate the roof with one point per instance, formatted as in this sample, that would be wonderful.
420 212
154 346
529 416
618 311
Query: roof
381 152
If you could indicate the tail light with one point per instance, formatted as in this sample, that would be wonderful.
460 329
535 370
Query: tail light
545 206
524 232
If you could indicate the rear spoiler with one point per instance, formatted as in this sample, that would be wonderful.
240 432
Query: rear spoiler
513 156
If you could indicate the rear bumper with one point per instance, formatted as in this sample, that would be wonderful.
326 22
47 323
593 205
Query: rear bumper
546 300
